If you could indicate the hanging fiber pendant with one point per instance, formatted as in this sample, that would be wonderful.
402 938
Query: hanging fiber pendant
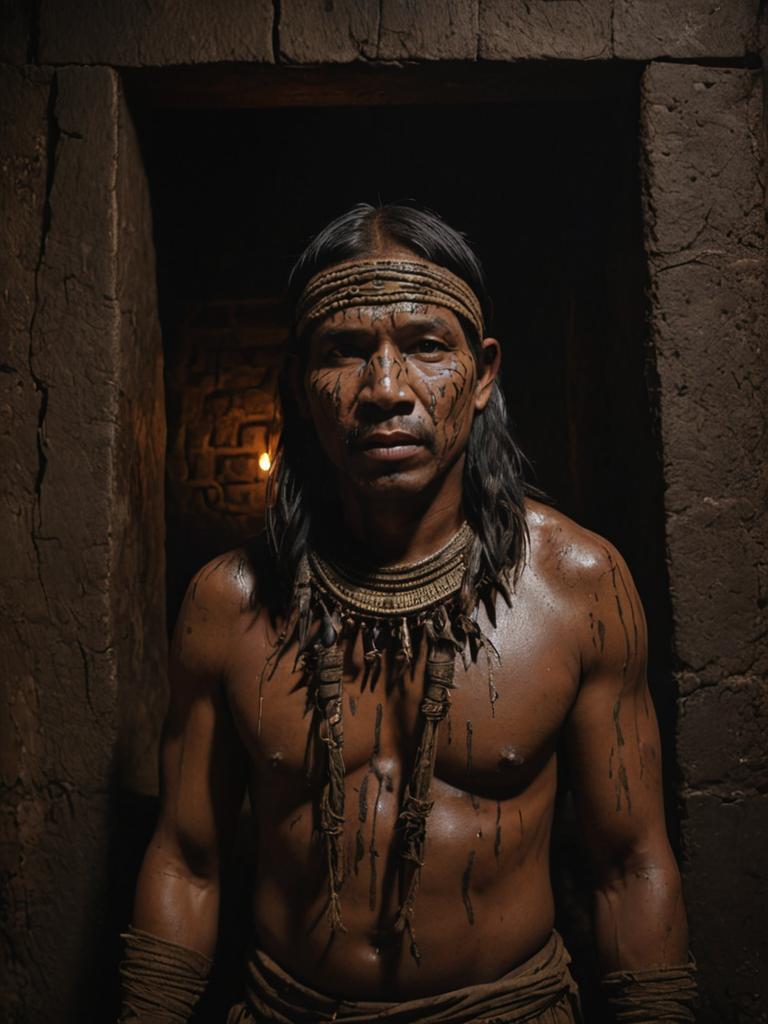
327 684
404 652
439 673
393 609
303 601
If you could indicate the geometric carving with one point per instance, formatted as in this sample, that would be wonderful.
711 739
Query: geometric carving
223 414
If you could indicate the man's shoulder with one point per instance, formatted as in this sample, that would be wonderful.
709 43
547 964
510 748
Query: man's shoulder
566 553
226 587
220 603
222 592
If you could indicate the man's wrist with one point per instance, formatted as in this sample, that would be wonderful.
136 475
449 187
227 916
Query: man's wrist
658 995
161 981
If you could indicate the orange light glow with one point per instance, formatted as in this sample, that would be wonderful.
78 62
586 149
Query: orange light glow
265 462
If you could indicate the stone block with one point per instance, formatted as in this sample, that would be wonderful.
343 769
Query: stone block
314 31
705 239
721 733
707 321
716 557
441 30
703 160
645 29
138 34
726 849
16 33
545 29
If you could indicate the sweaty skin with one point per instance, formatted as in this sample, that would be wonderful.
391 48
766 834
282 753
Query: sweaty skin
392 392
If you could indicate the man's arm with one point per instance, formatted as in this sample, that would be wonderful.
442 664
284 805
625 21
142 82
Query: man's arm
202 771
615 763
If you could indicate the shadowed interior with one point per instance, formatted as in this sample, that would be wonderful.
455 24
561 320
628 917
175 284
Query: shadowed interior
547 191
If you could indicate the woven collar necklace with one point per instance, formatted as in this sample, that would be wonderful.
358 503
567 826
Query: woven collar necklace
381 594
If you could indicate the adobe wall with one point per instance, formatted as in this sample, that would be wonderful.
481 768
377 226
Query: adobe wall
83 463
83 441
705 224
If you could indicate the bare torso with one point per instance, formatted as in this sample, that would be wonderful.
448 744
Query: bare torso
485 901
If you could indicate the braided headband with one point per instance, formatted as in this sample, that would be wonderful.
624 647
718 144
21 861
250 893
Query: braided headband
381 282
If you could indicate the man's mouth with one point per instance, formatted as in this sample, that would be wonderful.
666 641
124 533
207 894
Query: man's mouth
387 445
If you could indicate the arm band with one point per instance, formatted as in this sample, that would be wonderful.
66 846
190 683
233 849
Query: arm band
162 982
661 995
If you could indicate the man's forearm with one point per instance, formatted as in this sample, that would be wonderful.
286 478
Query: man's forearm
168 950
642 939
639 917
161 981
175 903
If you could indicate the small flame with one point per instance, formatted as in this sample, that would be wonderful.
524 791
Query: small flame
265 462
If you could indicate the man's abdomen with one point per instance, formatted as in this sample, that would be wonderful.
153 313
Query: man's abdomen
484 902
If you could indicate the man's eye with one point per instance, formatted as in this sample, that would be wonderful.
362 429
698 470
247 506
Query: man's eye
430 345
346 350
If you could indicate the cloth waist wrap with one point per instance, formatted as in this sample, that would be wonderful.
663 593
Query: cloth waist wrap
541 989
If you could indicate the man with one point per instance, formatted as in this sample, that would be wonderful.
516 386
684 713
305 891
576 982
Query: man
392 682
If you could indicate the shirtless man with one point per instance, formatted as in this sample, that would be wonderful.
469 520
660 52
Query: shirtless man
394 438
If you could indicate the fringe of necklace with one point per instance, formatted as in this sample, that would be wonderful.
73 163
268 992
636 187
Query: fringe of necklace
390 606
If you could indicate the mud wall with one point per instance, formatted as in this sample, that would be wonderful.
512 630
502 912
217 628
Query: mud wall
705 223
83 455
82 441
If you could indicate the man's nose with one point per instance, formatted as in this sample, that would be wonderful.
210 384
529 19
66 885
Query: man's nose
385 381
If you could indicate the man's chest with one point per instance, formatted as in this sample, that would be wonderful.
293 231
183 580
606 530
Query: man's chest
506 709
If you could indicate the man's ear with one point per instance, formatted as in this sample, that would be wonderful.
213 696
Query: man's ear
487 371
296 381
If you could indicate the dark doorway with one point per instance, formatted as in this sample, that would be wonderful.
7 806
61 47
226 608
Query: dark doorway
548 193
547 190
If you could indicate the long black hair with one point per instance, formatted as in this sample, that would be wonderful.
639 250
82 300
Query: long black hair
493 488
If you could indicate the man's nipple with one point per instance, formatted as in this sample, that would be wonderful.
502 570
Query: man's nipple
509 757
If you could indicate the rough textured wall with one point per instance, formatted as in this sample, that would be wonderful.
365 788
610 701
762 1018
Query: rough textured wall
311 31
172 32
23 164
706 245
138 520
75 550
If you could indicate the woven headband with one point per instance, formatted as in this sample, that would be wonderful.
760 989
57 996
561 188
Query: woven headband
381 282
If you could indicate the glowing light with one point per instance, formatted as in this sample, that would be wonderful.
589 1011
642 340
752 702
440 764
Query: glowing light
265 462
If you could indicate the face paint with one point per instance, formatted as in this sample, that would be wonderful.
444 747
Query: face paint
391 391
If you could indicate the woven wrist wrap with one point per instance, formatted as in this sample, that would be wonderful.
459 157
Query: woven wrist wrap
162 982
661 995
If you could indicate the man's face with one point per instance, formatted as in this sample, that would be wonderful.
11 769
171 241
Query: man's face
392 391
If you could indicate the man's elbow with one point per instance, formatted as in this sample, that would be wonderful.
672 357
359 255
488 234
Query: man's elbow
184 858
639 863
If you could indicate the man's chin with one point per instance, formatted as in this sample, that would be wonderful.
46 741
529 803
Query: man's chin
391 480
